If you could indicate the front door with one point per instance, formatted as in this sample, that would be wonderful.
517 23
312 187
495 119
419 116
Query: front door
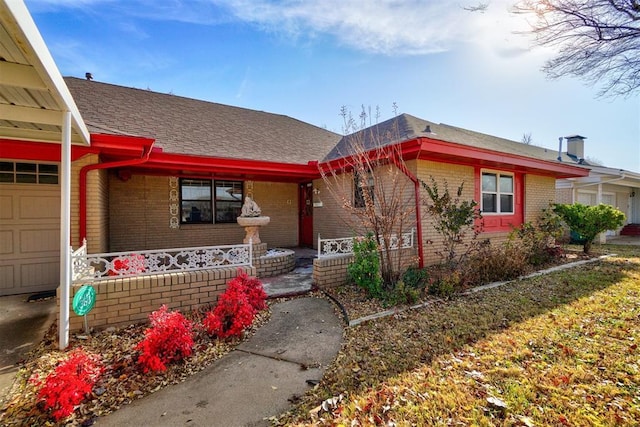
306 214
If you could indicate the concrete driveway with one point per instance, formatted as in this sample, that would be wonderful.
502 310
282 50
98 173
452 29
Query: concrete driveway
23 324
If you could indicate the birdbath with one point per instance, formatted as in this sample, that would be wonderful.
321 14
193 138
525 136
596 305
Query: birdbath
251 219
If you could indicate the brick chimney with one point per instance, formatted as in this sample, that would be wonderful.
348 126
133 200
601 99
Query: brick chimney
575 146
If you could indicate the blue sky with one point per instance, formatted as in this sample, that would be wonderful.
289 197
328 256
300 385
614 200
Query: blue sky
307 59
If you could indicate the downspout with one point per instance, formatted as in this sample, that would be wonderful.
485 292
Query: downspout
83 182
416 184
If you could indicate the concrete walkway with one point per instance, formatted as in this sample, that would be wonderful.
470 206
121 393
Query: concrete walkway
23 323
255 381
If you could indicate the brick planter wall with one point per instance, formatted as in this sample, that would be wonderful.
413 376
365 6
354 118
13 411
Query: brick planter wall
331 271
130 300
269 266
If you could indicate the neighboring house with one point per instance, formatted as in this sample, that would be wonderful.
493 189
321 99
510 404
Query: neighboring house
616 187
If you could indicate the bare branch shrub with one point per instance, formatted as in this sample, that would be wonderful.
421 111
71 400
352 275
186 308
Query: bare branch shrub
367 179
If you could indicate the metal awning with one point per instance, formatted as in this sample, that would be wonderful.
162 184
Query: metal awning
33 95
36 105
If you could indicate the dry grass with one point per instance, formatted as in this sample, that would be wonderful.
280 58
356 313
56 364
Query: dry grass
560 349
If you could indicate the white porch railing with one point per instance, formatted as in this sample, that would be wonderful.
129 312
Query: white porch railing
139 263
344 245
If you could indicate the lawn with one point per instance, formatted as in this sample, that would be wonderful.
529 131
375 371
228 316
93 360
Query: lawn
559 349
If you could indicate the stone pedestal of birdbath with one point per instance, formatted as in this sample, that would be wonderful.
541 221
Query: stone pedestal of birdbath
252 226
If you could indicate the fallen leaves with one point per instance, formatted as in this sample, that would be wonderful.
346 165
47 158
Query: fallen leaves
553 350
121 383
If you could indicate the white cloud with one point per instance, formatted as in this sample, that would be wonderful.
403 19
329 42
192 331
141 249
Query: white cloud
389 27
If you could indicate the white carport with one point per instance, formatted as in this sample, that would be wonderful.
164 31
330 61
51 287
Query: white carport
36 106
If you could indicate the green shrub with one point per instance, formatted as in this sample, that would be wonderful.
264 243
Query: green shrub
415 277
454 220
364 271
589 221
402 294
446 284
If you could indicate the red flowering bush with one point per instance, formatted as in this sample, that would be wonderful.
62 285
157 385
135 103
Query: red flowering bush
70 383
168 339
252 288
236 307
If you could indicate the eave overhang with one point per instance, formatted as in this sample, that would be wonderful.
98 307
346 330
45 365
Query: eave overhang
34 93
448 152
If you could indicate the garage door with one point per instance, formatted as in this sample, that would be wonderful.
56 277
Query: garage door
29 227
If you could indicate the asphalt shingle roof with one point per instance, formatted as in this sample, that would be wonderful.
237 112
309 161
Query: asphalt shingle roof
406 127
193 127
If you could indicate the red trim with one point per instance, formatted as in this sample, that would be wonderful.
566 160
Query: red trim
37 151
432 149
502 222
86 169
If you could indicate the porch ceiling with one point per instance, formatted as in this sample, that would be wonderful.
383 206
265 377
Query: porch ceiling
33 95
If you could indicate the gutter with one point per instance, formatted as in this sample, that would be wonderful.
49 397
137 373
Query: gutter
416 185
146 153
623 176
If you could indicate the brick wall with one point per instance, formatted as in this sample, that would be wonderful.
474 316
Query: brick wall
564 195
139 217
333 220
453 175
540 191
331 271
130 300
97 205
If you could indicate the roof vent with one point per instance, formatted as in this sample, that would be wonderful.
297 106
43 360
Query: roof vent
88 76
428 129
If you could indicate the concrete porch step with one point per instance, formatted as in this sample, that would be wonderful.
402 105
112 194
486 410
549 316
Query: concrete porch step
630 230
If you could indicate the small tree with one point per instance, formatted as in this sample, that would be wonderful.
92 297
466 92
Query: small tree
454 219
589 221
368 178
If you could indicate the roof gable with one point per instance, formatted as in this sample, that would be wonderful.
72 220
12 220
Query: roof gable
406 127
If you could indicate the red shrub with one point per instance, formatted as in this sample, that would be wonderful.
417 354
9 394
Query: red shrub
70 382
251 287
168 339
231 316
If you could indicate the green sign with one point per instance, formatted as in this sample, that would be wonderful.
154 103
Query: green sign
84 300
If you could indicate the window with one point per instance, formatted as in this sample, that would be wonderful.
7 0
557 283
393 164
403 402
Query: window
497 193
228 200
362 184
195 200
28 173
203 200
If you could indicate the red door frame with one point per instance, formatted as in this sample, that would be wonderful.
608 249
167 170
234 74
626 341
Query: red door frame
305 214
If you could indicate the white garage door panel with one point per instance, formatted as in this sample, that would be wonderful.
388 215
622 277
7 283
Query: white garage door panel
6 207
6 279
38 274
32 241
6 242
30 238
39 207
